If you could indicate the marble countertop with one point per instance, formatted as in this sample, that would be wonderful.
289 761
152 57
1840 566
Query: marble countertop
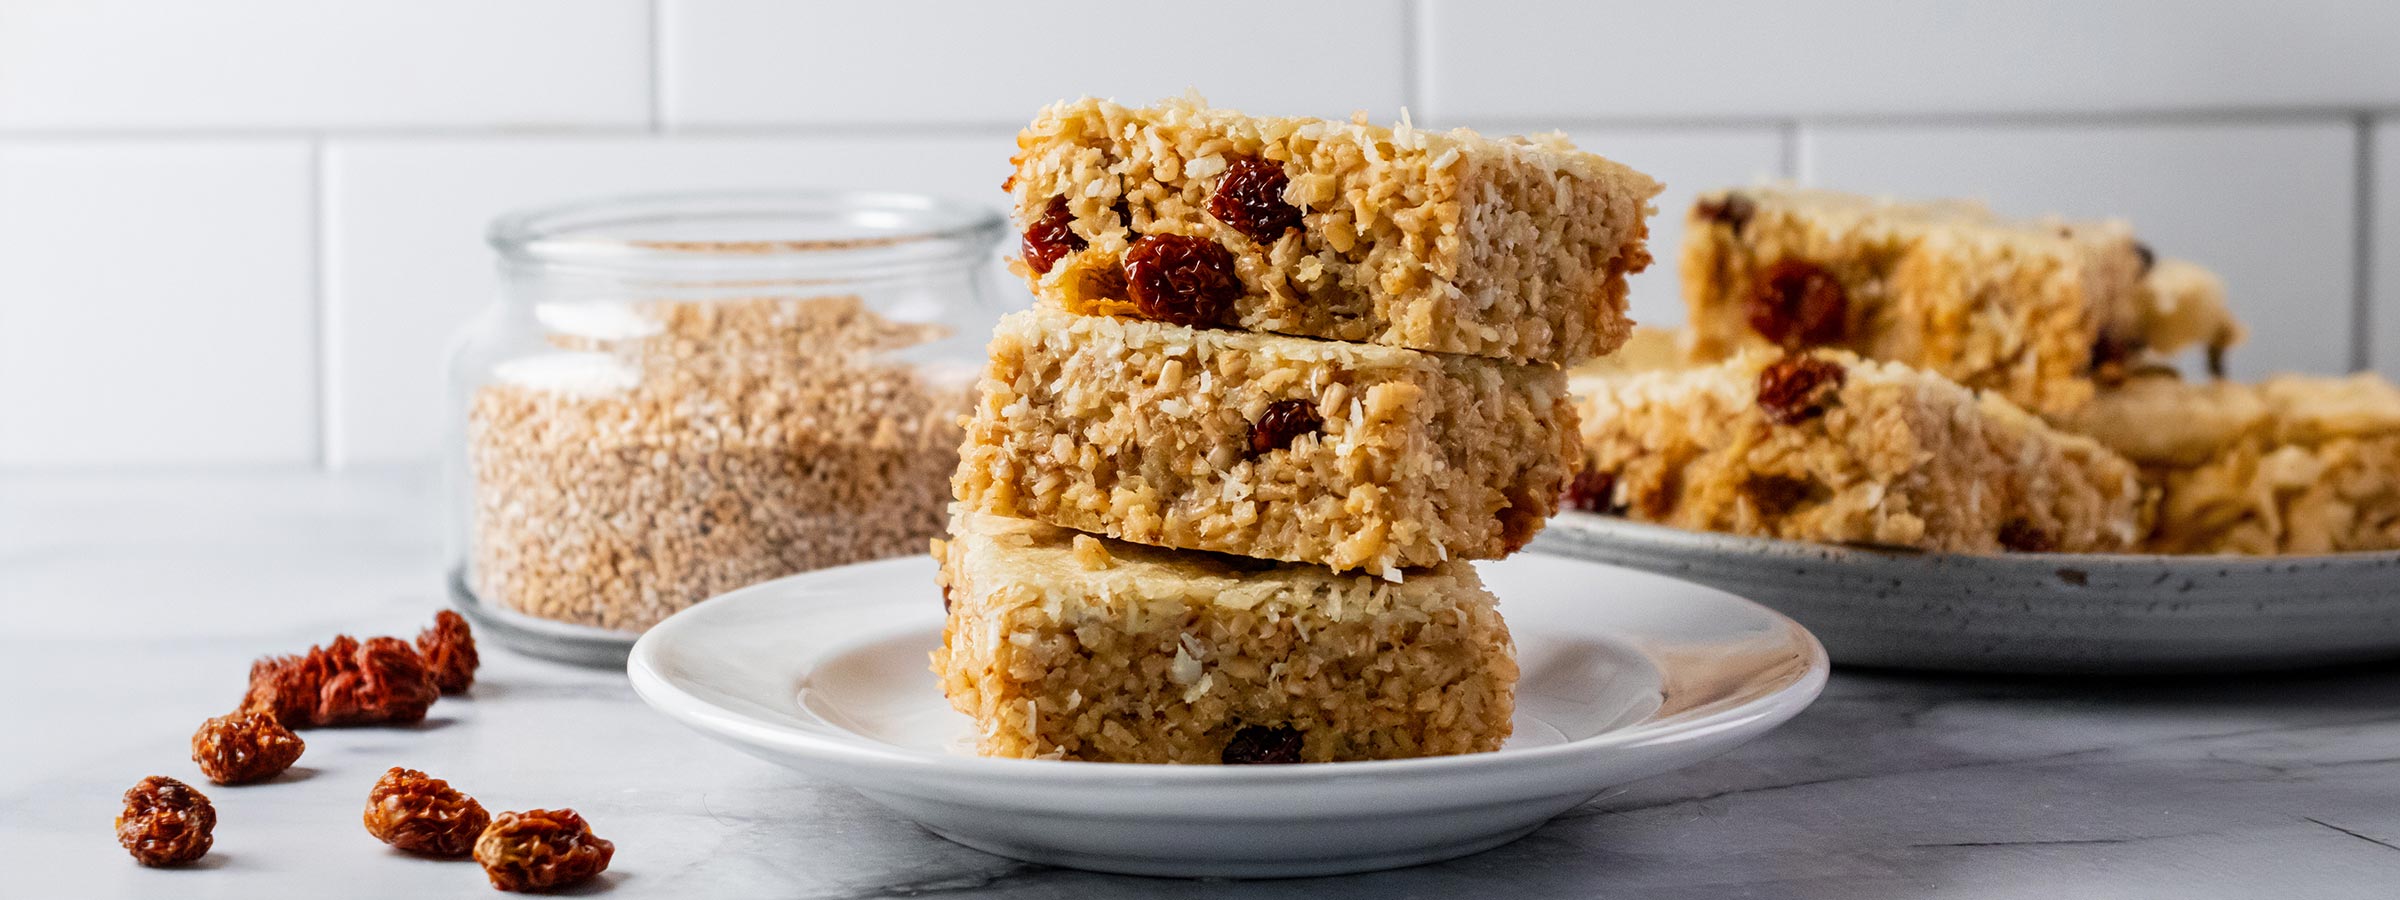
135 604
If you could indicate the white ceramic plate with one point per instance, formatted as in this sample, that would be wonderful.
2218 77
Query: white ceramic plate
1626 675
2036 613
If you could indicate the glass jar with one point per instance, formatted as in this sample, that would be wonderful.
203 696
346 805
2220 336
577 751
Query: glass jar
677 396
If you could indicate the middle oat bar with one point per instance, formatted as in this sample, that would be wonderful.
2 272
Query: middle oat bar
1351 456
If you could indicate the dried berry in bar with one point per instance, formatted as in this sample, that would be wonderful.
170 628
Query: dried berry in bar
1733 209
422 814
1592 491
449 651
2020 536
1182 279
540 850
1051 237
245 747
166 823
1796 303
1798 388
1249 199
1264 745
1283 422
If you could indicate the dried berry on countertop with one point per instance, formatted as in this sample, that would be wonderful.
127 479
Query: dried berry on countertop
540 850
346 682
449 650
166 822
245 747
419 813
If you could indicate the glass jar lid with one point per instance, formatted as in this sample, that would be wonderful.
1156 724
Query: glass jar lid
748 239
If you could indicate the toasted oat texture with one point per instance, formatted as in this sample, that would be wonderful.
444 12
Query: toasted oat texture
1443 241
2292 465
1885 454
673 451
2028 309
1127 653
1143 431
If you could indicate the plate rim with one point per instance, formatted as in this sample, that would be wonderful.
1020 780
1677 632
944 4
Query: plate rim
1600 526
661 693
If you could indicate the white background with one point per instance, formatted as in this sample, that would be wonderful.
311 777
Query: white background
241 231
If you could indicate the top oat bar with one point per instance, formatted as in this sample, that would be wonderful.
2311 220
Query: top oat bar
1444 241
2038 310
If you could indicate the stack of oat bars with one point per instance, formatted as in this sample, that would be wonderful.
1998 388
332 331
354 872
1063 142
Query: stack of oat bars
1285 379
1934 376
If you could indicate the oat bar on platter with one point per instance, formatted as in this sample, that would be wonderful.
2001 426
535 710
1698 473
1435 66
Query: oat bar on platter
1822 446
2296 464
2036 310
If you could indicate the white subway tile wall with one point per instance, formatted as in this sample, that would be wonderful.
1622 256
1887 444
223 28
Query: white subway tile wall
303 64
156 304
243 231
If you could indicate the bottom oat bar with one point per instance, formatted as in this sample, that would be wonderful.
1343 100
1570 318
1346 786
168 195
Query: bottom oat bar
2291 465
1068 646
1823 446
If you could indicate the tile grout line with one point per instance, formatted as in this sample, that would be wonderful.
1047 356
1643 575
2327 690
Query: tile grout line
320 284
2362 246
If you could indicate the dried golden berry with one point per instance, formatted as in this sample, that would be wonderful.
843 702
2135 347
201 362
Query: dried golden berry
345 682
1182 279
1263 745
166 823
2113 357
449 651
1249 198
2021 536
1051 237
540 850
1283 422
419 813
2147 256
1777 495
1592 491
244 747
1796 304
1798 388
1733 209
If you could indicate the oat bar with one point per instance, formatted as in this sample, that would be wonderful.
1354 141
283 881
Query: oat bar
1069 646
1822 446
2292 465
1441 241
1352 456
2034 310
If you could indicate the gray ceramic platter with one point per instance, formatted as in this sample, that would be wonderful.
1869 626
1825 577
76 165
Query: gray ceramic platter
2031 613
